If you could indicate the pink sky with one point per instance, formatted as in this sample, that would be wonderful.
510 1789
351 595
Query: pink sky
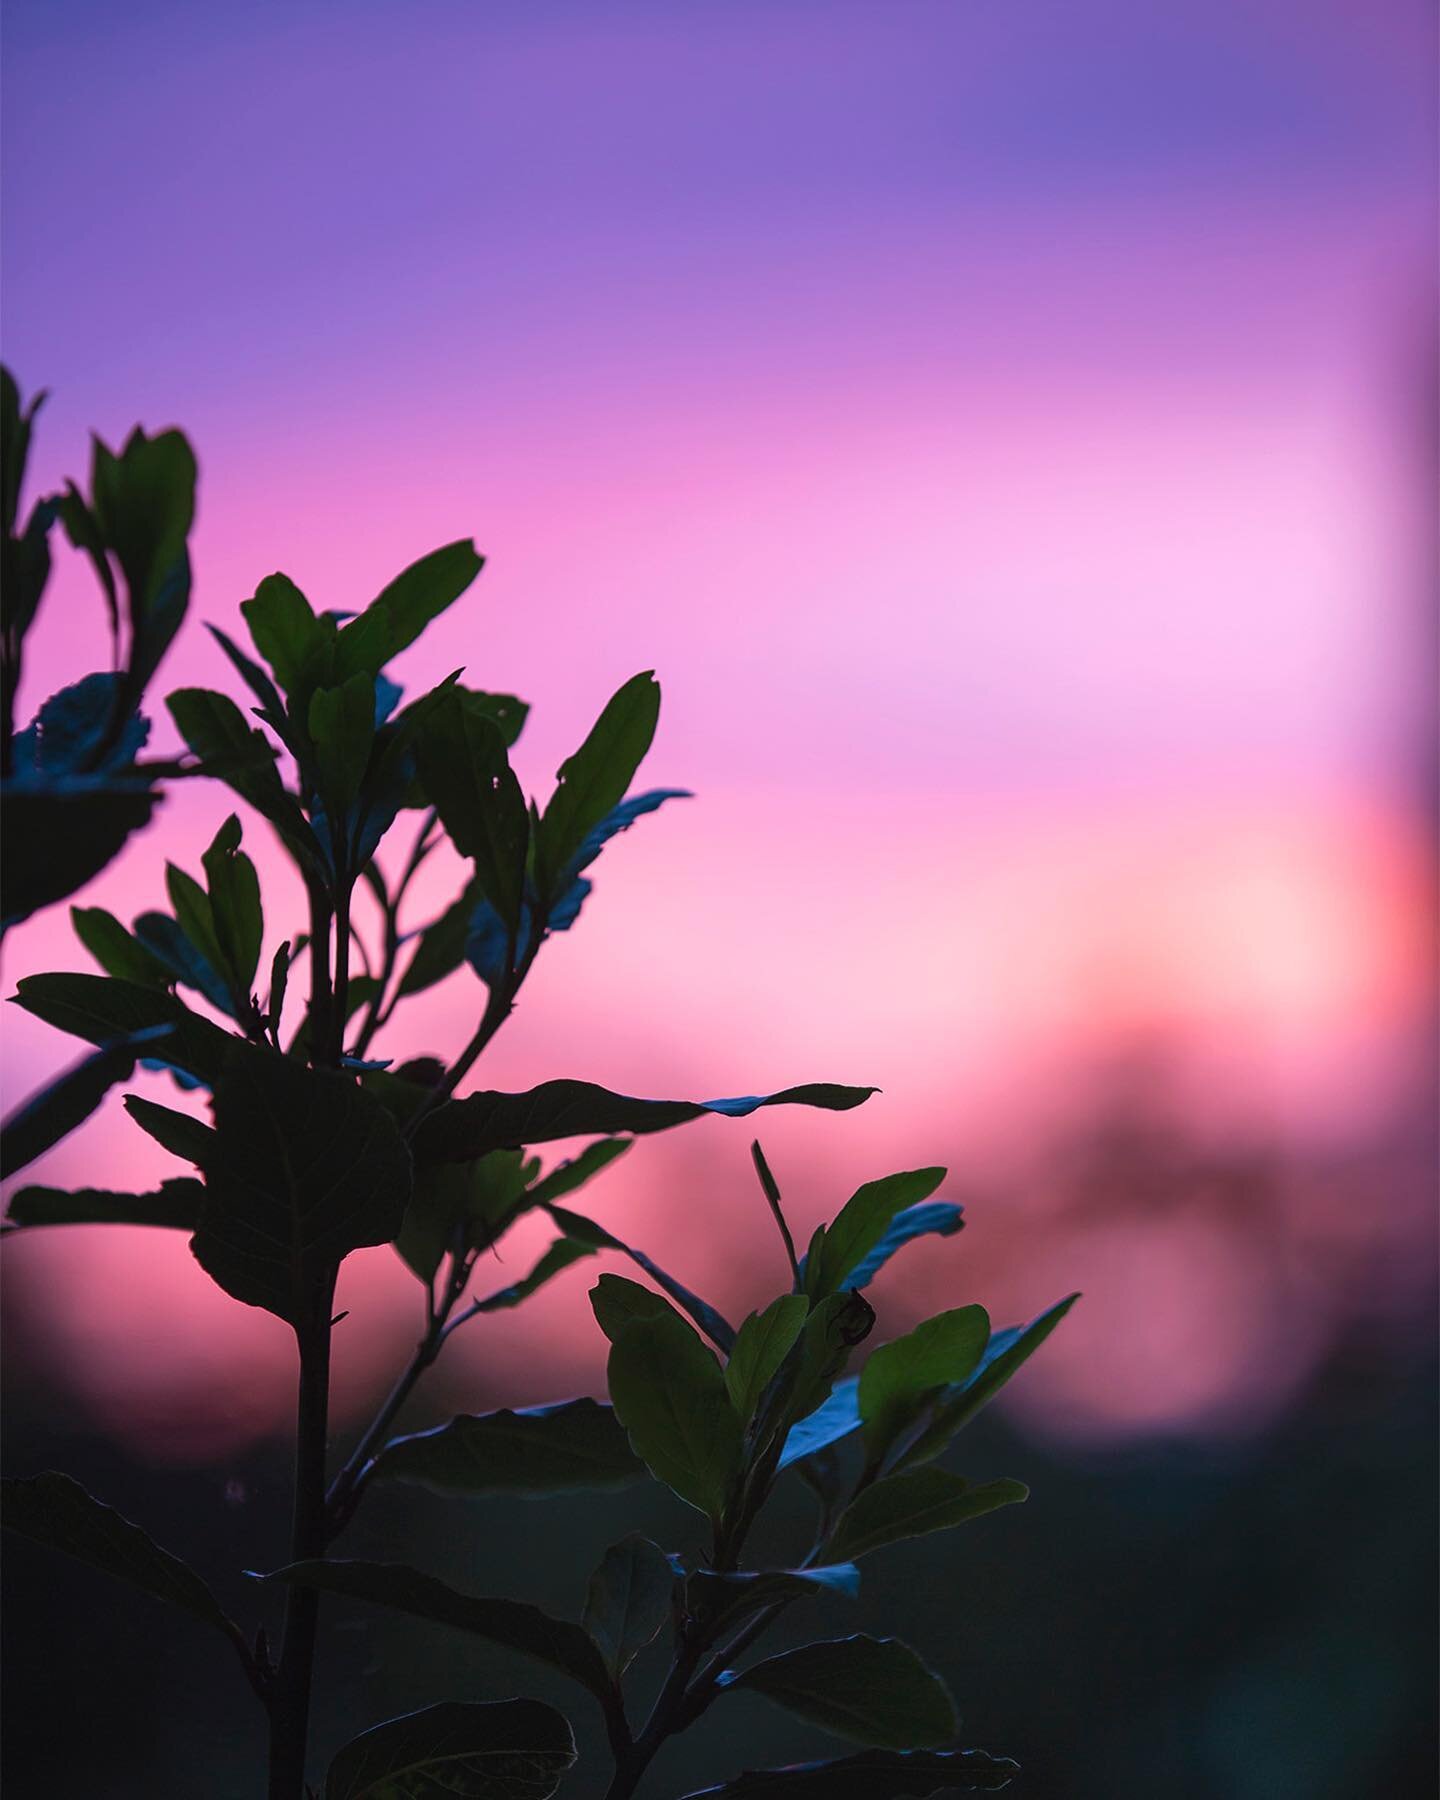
1002 434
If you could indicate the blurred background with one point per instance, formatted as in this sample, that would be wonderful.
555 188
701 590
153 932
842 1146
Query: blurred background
1010 434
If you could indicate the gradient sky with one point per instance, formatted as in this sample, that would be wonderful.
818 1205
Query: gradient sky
1003 428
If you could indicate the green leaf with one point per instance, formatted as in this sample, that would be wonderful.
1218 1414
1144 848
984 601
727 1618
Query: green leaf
342 725
723 1601
834 1328
116 951
196 919
465 1204
52 1509
305 1166
143 502
441 949
179 1133
271 708
567 1176
15 427
860 1225
101 1009
39 1123
872 1775
559 1257
468 779
470 1750
940 1352
513 1623
832 1421
462 1129
669 1393
872 1690
617 1302
596 778
175 1205
939 1218
236 914
953 1408
284 628
422 592
586 1231
629 1599
761 1345
910 1506
214 728
570 1446
57 838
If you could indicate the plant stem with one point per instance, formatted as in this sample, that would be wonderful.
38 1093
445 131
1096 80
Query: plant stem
341 996
321 1000
349 1484
290 1694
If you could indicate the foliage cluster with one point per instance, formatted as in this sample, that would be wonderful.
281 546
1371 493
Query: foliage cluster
314 1147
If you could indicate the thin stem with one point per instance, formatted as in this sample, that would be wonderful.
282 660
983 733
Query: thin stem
350 1483
340 999
321 998
378 1013
290 1691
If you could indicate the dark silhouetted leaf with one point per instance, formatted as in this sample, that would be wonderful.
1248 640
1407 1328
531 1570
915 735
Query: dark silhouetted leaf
669 1393
837 1324
235 753
342 727
572 889
170 944
567 1176
464 1204
271 707
932 1217
468 779
81 729
952 1409
725 1601
143 503
586 1231
441 949
462 1129
57 838
116 950
305 1166
41 1121
554 1261
594 781
909 1506
617 1302
860 1225
571 1445
101 1009
873 1775
939 1352
628 1600
284 628
873 1690
761 1345
514 1623
831 1421
176 1204
52 1509
180 1133
469 1750
422 592
237 918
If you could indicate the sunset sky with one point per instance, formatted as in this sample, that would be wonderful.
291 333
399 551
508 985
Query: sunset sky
1002 429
